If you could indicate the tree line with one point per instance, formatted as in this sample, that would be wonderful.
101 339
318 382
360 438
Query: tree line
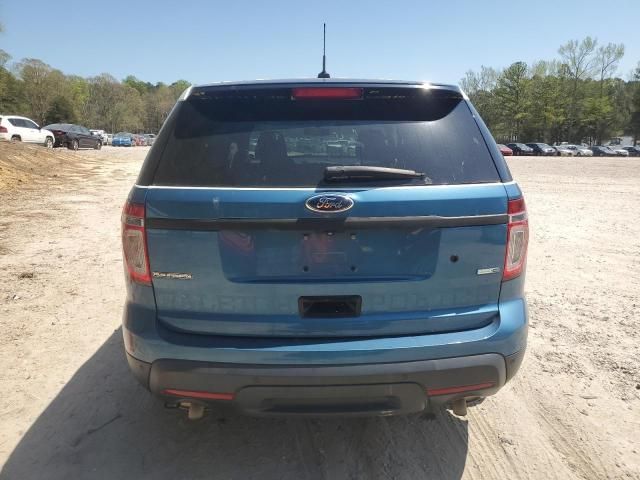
575 97
36 90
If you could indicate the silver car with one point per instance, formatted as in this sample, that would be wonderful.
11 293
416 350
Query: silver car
579 150
563 151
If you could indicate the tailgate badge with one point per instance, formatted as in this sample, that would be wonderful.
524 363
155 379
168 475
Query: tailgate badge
172 275
487 271
329 203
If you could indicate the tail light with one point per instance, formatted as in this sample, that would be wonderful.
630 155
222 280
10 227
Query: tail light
517 239
134 243
3 130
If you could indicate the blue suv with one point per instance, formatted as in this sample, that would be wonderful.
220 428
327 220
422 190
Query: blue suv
324 247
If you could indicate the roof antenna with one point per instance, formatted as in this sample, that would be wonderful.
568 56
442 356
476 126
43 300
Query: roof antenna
324 73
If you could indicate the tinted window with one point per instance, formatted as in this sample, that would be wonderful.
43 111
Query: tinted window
263 141
17 122
30 124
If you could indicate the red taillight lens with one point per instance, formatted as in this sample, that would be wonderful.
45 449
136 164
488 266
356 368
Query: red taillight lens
3 130
326 93
134 243
517 239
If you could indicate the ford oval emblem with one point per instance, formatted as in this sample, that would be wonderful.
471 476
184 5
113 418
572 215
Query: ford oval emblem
329 203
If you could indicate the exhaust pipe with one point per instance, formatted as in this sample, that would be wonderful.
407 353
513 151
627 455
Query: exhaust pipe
195 411
459 407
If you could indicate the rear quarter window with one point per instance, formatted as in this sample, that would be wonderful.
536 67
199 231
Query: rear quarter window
269 140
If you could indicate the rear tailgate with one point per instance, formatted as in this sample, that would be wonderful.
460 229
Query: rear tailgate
235 250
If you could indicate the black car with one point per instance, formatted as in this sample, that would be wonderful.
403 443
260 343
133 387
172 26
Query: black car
542 149
602 151
73 136
520 149
633 151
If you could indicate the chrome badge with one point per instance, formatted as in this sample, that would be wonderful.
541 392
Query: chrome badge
488 271
172 275
329 203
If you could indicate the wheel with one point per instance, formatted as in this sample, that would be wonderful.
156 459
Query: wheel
16 138
98 146
48 143
74 145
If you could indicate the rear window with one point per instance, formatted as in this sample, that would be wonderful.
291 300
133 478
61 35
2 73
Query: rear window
267 139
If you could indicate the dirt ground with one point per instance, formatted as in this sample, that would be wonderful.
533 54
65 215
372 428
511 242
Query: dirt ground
71 410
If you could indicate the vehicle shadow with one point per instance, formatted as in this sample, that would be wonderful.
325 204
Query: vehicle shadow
104 425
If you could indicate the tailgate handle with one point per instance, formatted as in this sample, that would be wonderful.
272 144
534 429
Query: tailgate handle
340 306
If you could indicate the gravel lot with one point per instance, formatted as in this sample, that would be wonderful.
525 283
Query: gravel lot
71 410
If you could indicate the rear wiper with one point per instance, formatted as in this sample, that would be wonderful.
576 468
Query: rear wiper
364 172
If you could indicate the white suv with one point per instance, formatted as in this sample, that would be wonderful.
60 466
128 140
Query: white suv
22 129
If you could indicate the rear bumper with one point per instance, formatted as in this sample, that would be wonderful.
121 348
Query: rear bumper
373 389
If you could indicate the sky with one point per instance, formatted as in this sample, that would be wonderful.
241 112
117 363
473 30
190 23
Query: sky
208 41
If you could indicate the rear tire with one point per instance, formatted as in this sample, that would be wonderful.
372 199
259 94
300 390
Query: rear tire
16 138
74 145
48 143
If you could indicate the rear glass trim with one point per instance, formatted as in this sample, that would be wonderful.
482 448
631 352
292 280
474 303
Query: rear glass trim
322 189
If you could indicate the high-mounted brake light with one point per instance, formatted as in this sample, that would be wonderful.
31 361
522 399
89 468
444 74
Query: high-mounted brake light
134 243
326 93
517 239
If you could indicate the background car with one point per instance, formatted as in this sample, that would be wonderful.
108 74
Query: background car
74 136
633 151
602 151
578 150
109 138
542 149
563 151
520 149
504 150
150 138
101 134
23 129
140 140
620 152
123 139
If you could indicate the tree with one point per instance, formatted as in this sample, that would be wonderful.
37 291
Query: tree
4 58
634 117
579 62
178 87
61 111
40 86
511 93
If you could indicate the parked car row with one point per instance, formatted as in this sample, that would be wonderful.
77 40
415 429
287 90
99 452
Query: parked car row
126 139
568 150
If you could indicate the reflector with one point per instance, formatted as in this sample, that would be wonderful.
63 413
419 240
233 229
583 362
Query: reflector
194 394
459 389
